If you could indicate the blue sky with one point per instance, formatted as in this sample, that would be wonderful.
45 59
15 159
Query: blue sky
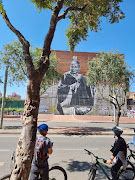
34 26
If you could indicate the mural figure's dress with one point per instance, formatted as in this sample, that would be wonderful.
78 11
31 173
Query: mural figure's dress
73 92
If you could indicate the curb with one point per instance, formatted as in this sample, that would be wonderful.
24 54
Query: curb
3 132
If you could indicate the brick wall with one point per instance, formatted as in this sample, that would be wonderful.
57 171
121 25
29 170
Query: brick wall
65 58
100 107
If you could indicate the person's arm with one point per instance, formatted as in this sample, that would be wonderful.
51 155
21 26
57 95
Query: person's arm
117 148
110 160
130 142
50 145
50 150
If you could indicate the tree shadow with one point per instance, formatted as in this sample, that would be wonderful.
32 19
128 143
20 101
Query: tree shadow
77 166
12 127
80 130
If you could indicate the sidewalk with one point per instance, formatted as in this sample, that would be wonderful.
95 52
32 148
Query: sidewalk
72 125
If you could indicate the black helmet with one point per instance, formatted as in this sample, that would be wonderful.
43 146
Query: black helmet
117 130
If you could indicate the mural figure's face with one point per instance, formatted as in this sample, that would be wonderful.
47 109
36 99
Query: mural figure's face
74 67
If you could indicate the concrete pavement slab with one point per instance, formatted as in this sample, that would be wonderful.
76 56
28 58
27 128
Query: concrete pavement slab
69 125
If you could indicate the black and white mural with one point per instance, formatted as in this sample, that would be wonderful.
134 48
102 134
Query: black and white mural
74 96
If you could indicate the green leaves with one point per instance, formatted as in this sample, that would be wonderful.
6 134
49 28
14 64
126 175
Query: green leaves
44 4
52 76
2 11
109 69
90 18
12 56
84 15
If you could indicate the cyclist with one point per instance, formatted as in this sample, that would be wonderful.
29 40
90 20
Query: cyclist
132 142
119 153
43 147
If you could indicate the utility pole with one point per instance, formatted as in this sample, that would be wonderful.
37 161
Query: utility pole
3 97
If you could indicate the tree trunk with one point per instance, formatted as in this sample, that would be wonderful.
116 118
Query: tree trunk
118 116
26 143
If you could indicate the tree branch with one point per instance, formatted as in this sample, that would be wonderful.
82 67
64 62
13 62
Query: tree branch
113 104
107 98
43 63
13 29
63 15
24 42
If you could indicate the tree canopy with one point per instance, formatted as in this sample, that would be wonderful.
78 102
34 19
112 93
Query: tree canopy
109 69
84 15
12 56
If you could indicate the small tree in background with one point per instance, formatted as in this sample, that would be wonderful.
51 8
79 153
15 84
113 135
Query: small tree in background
12 57
83 15
110 70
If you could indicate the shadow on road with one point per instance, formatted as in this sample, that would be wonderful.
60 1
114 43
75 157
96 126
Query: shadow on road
81 130
78 166
75 166
12 127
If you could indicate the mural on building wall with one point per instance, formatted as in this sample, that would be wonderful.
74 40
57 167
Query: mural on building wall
74 96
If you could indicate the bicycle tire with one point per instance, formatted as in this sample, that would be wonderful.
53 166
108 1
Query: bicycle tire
130 164
55 175
92 174
129 174
6 177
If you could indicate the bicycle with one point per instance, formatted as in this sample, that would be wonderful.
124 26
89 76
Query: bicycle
131 153
127 174
55 172
129 157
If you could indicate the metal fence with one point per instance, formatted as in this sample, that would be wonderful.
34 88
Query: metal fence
13 104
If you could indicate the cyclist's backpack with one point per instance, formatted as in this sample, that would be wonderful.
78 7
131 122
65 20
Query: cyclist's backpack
40 151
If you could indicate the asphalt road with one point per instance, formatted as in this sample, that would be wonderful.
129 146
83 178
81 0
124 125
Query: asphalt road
68 153
71 124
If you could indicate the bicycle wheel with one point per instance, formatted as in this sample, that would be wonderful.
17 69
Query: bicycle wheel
6 177
57 173
127 174
130 165
92 174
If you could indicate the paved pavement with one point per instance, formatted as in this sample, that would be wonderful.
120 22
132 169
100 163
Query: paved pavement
72 125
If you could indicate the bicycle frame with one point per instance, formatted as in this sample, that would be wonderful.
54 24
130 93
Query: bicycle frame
131 154
98 163
100 166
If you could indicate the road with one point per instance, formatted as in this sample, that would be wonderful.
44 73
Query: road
68 153
110 125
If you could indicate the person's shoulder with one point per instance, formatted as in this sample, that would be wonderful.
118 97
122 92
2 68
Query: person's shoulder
122 140
66 74
48 139
80 75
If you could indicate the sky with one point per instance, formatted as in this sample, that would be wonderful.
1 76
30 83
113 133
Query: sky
34 26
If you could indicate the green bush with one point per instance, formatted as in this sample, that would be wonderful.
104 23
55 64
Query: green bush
14 109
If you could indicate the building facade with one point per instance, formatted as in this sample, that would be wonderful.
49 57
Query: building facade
71 95
14 95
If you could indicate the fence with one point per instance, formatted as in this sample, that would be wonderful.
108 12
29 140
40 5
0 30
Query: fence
13 104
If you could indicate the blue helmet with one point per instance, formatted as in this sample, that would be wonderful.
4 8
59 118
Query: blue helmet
43 127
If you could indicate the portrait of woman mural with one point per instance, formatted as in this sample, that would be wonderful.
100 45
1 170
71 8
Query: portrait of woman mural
74 96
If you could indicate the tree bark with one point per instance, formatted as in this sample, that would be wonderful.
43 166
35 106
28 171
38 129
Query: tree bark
26 143
118 116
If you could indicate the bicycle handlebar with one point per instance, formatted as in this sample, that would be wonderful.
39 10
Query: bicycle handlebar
89 153
129 149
